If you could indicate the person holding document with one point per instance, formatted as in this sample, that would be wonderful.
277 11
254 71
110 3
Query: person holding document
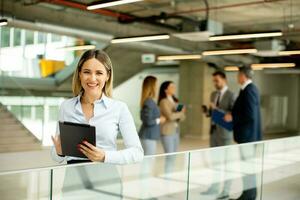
168 105
247 128
222 100
93 104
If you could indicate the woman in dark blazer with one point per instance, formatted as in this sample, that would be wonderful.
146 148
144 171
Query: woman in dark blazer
150 116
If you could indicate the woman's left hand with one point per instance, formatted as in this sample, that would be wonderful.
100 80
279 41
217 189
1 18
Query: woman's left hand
93 153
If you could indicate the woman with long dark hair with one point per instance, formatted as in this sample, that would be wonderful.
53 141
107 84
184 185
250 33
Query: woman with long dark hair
168 104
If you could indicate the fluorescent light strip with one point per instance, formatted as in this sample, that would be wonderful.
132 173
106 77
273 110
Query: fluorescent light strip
262 66
180 57
110 4
228 52
287 53
234 68
231 68
273 65
244 36
77 48
139 38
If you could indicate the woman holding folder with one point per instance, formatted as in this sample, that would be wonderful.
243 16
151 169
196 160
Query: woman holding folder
168 105
93 104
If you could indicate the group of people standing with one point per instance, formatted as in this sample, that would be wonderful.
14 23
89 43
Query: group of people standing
244 114
160 119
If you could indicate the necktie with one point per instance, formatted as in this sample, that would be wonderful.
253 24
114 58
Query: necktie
218 99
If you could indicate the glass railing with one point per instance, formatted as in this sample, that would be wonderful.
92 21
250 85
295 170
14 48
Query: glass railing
267 170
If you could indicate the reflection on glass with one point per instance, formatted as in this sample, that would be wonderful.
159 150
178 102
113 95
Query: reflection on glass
281 169
93 181
34 185
226 172
149 180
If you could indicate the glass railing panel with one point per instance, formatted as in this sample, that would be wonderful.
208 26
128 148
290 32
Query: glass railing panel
267 170
87 181
29 185
157 177
225 172
281 170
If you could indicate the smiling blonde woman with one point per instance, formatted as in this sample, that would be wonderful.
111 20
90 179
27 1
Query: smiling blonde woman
93 104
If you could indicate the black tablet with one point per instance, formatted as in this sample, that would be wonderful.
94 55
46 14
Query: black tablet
72 134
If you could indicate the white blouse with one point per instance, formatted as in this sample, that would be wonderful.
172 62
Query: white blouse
110 118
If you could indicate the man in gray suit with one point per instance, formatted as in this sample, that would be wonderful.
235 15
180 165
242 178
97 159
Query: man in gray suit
221 99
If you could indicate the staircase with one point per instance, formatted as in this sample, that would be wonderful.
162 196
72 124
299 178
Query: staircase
14 137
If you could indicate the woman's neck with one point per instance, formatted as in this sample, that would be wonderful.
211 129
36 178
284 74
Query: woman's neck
90 99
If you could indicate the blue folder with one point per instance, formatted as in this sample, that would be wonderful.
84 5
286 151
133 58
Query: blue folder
218 118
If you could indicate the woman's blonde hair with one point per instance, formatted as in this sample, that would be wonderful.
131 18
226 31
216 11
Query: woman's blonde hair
102 57
148 88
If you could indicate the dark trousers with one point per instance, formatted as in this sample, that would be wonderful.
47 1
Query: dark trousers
248 152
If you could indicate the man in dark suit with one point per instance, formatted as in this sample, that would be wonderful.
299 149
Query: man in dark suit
247 126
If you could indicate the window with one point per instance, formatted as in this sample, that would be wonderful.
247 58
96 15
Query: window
39 112
26 112
42 37
53 113
16 110
5 32
17 37
56 38
29 37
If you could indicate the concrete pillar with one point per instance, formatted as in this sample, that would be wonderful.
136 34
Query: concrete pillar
194 91
298 105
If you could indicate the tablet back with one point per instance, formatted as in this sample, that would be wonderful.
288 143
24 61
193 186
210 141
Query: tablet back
72 134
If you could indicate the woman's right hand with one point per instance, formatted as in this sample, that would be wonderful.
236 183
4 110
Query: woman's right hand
57 144
162 119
